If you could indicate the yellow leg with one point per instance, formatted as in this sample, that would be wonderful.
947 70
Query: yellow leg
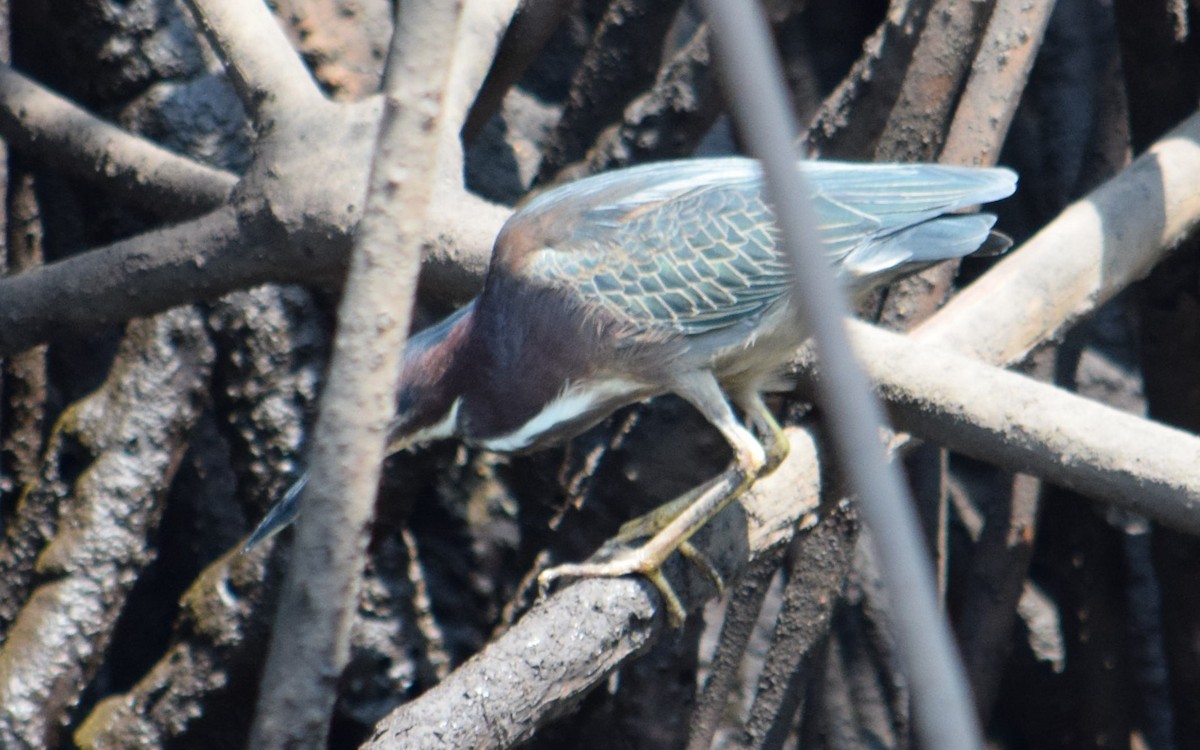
673 524
648 559
776 447
774 439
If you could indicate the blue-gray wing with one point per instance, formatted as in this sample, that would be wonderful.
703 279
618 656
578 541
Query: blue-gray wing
690 246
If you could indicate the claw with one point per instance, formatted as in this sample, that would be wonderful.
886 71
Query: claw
701 561
670 526
630 563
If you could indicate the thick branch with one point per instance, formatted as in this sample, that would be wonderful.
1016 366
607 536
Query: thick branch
544 665
213 255
1032 427
932 80
52 130
265 69
130 432
200 259
1094 249
310 644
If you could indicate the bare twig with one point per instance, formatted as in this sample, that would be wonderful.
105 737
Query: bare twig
267 72
311 639
50 129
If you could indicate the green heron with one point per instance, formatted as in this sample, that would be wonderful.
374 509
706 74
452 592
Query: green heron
663 278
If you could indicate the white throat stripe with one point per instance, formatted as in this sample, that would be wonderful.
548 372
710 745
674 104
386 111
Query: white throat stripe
571 403
438 430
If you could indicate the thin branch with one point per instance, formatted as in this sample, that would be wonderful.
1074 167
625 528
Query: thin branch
802 624
54 131
997 577
533 24
852 117
267 72
997 80
737 626
480 33
667 121
312 628
620 62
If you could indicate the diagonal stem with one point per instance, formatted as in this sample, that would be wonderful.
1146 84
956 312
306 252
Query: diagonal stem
311 642
265 69
55 131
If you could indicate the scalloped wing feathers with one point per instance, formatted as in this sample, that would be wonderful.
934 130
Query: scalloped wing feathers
691 245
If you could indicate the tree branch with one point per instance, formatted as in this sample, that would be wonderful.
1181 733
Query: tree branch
940 63
199 259
548 661
295 214
996 81
1079 261
310 644
666 121
533 24
54 131
131 434
620 62
1026 426
264 68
